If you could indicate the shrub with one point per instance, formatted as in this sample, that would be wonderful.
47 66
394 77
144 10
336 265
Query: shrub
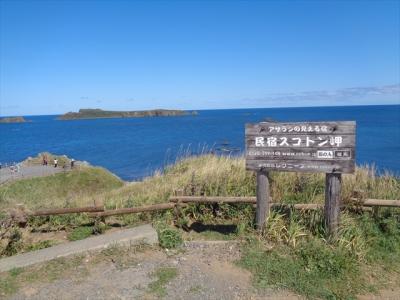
169 238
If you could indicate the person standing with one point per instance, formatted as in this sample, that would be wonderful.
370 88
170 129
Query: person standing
72 163
55 163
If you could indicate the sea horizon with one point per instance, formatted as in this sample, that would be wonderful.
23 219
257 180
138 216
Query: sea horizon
133 148
202 109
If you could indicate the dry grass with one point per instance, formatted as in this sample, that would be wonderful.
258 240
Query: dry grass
226 176
201 175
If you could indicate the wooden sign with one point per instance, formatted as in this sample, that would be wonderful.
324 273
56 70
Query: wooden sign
327 147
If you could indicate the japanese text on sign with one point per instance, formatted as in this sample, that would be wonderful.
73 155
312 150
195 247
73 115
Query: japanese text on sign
305 147
284 141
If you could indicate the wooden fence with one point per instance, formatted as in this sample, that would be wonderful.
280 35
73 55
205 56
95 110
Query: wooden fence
99 211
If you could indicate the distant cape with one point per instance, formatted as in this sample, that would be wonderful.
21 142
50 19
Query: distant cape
99 113
13 120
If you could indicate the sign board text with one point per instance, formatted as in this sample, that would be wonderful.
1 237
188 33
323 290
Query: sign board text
327 147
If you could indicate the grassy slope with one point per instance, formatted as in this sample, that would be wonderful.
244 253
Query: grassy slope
223 176
292 253
209 175
59 190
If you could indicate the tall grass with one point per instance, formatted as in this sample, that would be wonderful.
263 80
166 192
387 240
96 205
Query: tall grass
364 257
226 176
199 175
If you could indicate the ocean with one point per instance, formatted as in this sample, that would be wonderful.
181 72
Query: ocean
134 148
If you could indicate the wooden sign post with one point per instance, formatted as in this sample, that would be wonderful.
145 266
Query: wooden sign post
262 198
327 147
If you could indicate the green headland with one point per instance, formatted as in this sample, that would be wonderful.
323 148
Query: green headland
13 120
96 113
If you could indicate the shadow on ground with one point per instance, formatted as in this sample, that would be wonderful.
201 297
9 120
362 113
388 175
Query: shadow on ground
223 229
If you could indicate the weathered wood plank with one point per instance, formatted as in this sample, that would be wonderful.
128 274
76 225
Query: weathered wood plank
63 211
212 199
378 202
262 198
333 187
130 210
253 200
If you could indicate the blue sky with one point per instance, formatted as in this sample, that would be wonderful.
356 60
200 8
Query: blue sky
59 56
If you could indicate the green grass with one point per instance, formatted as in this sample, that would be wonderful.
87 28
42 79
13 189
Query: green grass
315 272
168 237
80 233
65 189
41 245
163 276
366 247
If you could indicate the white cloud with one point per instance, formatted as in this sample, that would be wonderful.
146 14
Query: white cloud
345 96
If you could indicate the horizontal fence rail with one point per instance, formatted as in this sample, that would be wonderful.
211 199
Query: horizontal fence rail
204 199
63 211
130 210
181 201
378 202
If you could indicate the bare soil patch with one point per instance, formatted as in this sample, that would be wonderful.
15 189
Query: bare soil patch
205 270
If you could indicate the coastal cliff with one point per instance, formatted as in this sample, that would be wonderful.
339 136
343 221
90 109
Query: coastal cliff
99 113
13 120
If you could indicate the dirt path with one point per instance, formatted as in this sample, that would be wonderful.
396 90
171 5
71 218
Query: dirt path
204 270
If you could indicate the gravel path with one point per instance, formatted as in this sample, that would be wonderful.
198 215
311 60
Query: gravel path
206 270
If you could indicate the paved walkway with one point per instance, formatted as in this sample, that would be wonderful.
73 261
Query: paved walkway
24 170
10 174
141 234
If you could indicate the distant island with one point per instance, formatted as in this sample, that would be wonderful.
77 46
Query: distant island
99 113
13 120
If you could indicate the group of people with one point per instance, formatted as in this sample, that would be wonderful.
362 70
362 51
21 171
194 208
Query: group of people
55 162
14 167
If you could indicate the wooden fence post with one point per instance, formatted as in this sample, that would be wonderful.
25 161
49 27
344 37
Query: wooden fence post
262 209
333 187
